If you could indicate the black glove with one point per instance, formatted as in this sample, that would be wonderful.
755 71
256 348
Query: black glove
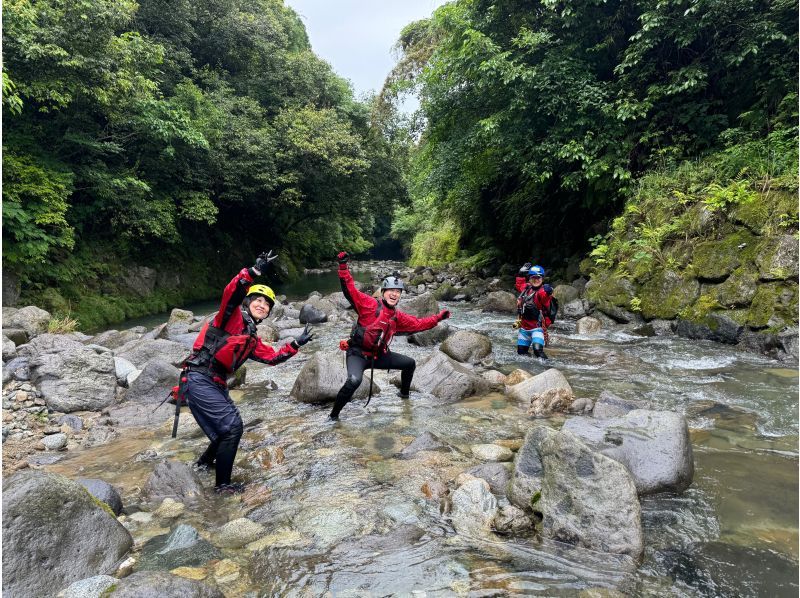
525 267
304 337
263 260
444 314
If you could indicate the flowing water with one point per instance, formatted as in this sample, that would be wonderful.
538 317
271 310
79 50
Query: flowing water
346 515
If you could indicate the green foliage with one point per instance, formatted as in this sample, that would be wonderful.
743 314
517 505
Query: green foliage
435 247
62 325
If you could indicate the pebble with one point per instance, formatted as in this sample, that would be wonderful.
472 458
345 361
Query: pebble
492 452
170 508
55 442
141 517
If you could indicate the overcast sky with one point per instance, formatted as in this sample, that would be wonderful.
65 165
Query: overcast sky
356 36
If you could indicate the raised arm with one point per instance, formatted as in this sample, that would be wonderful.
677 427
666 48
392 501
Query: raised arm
522 277
361 302
237 288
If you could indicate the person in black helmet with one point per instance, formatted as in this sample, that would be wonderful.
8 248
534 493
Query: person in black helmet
378 321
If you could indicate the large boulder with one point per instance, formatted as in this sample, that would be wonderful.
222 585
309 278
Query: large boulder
500 301
779 259
653 445
172 479
113 339
123 369
140 351
573 310
587 499
31 319
154 383
309 314
445 379
526 475
610 405
49 343
467 346
54 533
322 376
541 388
143 584
432 336
565 293
420 306
78 379
588 325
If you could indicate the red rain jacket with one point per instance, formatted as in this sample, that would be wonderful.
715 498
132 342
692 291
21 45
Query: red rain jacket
533 302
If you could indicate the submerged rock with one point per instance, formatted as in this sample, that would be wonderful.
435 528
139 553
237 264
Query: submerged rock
172 479
182 547
159 583
90 587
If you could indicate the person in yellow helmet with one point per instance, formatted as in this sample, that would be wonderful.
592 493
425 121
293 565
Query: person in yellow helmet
220 349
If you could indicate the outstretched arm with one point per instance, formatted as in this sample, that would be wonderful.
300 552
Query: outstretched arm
408 323
266 354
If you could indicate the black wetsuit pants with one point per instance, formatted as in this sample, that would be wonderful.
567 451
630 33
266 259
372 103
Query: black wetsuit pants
357 363
219 418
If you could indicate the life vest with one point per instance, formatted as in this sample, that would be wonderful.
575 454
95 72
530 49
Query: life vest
527 309
222 352
374 338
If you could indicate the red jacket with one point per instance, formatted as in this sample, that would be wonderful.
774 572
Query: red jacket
392 320
531 303
243 342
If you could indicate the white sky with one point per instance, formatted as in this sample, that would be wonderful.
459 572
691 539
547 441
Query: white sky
356 36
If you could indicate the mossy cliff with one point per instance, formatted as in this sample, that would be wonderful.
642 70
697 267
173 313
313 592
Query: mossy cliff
717 254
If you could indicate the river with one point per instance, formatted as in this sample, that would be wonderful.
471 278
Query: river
346 516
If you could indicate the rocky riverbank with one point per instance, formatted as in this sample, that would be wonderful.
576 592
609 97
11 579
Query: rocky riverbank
477 478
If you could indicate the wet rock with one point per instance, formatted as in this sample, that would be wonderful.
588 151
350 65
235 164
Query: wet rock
565 293
182 547
226 571
100 435
153 383
497 475
588 499
491 452
238 532
169 509
328 525
573 310
715 326
140 351
322 376
151 583
427 441
653 445
516 377
420 306
526 477
435 490
122 368
512 520
53 522
77 379
610 405
474 508
31 319
528 391
550 401
467 346
104 492
432 336
588 325
495 379
55 442
500 301
9 349
91 587
311 315
446 379
173 479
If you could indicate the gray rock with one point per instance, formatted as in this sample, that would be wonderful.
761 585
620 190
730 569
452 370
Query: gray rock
154 383
122 368
238 532
322 376
18 369
474 508
173 479
55 442
588 499
495 379
146 584
445 379
268 333
565 293
182 547
526 476
653 445
31 319
311 315
113 339
9 349
779 259
420 306
53 522
512 520
132 415
588 325
49 344
104 492
427 441
180 316
528 390
492 452
497 475
339 300
140 351
73 421
17 335
287 333
432 336
573 310
77 379
610 405
467 346
140 279
11 290
719 327
91 587
500 301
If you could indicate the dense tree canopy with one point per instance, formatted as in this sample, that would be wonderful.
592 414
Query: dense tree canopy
539 115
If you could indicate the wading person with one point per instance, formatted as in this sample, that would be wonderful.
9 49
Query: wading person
219 350
535 309
378 321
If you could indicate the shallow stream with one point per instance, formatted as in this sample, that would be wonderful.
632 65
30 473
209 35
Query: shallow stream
346 515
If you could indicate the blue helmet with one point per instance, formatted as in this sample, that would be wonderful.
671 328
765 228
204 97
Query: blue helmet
536 271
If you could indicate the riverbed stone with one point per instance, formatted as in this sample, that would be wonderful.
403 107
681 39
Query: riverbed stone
91 587
610 405
309 314
517 376
122 369
160 583
574 309
104 492
77 379
474 507
497 475
322 376
533 389
432 336
114 339
238 532
31 319
427 441
653 445
169 509
512 520
49 344
565 293
551 401
495 378
17 335
420 306
9 349
588 325
445 379
268 333
54 522
526 475
55 442
140 351
153 383
716 326
182 547
500 301
173 479
492 452
467 346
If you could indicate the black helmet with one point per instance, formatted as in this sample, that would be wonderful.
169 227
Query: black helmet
392 282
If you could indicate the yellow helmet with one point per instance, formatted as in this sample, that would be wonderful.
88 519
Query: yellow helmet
262 289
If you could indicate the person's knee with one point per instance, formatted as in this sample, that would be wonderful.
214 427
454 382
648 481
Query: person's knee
410 367
353 381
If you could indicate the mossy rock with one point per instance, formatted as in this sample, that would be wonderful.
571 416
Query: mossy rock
738 290
774 305
667 294
778 259
611 288
715 260
752 214
445 292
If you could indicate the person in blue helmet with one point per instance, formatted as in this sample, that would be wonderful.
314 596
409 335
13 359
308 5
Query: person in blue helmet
535 310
